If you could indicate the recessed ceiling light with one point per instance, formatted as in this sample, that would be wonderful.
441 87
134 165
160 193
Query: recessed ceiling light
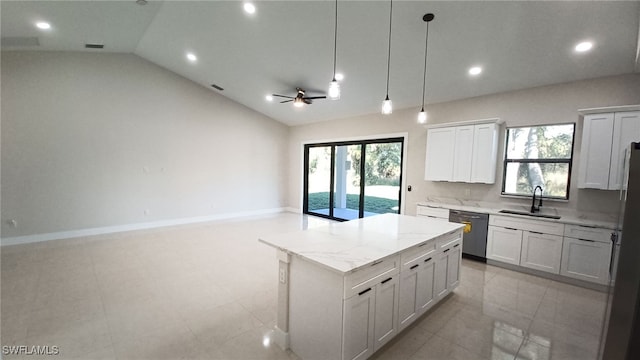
476 70
249 8
269 98
192 57
43 25
584 46
339 77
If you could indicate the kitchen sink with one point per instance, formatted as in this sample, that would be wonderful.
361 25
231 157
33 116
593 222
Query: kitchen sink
526 213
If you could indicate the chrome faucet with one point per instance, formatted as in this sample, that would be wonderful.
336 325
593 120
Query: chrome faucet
535 208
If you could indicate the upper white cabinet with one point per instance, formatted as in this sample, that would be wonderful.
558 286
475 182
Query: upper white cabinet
440 154
462 153
604 139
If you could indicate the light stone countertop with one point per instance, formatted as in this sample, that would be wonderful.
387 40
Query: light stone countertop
607 221
348 246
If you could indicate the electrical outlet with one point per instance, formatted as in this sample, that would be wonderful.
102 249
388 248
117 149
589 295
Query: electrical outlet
467 193
13 223
283 276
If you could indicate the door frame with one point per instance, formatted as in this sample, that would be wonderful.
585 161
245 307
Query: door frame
349 140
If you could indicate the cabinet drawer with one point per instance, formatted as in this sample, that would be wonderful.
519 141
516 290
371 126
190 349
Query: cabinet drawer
370 276
417 255
588 233
449 240
433 212
540 226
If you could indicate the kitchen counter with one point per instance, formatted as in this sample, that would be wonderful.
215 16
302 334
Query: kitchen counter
566 217
346 289
348 246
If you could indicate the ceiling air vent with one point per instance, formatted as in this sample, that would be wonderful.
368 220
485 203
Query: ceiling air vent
217 87
18 41
94 46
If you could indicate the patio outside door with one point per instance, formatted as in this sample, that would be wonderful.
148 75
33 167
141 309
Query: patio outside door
350 180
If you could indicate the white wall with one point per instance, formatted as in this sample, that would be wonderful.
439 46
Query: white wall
94 140
542 105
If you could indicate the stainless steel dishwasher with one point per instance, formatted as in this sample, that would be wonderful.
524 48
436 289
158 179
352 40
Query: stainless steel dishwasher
474 242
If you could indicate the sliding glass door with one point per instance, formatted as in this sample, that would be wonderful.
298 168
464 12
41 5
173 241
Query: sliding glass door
350 180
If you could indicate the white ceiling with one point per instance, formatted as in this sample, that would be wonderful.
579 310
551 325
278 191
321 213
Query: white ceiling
289 44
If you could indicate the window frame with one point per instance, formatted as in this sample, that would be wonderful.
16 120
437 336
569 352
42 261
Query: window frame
568 161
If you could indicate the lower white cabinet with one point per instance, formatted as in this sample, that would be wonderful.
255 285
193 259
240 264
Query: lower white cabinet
359 312
541 251
416 292
504 244
386 318
586 259
447 270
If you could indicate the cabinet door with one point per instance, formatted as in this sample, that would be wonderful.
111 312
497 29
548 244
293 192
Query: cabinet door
453 266
463 153
485 152
424 294
408 297
504 244
626 128
358 337
595 151
440 151
386 324
586 260
440 276
541 251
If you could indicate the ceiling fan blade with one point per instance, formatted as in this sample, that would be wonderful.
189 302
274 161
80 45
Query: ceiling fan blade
314 97
307 101
284 96
286 101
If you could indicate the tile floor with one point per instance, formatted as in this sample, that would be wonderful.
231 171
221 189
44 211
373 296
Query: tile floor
208 291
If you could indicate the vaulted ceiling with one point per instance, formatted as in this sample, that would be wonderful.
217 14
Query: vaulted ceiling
289 44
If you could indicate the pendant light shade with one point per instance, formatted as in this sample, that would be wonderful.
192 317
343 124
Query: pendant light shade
422 115
334 87
387 108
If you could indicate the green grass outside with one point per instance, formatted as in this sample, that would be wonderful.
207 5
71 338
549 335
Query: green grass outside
378 205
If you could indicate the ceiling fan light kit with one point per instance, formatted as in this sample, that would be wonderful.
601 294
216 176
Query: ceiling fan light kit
422 115
387 108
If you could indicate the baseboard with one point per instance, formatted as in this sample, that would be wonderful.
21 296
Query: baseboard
26 239
281 338
293 210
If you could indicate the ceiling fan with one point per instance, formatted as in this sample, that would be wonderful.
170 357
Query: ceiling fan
299 100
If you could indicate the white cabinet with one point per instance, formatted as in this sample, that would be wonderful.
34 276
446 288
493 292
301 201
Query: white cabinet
465 153
604 139
504 244
416 291
386 319
586 253
541 251
447 269
440 153
485 152
358 339
432 212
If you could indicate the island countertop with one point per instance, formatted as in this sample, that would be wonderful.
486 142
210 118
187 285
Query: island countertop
348 246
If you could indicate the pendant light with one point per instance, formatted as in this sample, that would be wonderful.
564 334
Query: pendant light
334 87
422 115
387 108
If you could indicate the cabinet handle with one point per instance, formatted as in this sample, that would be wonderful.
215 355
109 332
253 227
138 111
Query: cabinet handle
427 259
423 244
587 240
364 291
456 245
385 281
376 263
446 250
510 228
535 232
414 266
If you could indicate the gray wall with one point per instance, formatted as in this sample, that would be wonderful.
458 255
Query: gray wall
94 140
542 105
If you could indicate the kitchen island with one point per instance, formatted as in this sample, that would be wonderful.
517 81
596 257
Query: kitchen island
345 289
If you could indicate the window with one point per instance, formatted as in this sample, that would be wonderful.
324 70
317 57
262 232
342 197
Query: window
538 156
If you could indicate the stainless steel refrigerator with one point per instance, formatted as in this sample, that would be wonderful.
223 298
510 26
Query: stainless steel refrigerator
621 327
